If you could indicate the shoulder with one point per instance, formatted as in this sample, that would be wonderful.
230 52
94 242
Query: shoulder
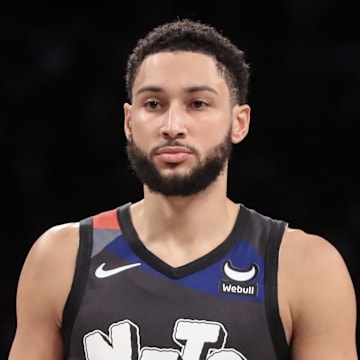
49 266
42 291
55 246
58 233
312 261
55 249
311 253
315 287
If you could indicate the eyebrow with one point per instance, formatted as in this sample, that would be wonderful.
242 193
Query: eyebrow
189 89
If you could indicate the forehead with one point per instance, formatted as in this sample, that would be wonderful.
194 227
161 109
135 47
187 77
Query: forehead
179 69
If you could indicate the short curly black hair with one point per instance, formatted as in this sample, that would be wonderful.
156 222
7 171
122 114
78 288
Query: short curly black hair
194 36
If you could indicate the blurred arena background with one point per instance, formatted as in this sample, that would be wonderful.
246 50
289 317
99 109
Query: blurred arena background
61 122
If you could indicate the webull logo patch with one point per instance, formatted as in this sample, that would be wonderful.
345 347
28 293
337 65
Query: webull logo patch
239 281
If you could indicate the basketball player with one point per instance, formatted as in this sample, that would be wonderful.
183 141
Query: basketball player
185 273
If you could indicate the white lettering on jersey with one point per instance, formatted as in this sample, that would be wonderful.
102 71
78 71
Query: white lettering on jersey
122 342
226 354
148 353
198 340
197 337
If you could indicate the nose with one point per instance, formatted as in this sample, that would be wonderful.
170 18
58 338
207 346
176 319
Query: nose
174 123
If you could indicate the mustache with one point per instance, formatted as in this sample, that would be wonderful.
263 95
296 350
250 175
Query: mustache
173 143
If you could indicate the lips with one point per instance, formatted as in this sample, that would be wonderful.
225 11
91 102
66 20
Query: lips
172 154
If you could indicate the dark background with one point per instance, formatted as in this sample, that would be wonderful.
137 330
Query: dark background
61 123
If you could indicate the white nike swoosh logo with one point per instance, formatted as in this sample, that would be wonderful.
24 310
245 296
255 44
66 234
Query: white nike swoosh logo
237 274
101 273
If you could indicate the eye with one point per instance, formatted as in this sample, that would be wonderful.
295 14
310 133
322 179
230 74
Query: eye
152 104
199 104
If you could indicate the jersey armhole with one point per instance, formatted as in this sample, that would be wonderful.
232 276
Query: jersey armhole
277 332
79 281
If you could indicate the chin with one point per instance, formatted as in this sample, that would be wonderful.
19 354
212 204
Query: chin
175 171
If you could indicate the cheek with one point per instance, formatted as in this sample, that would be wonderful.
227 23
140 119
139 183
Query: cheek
142 136
144 123
214 134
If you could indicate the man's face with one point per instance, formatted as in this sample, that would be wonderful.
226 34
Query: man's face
198 178
179 126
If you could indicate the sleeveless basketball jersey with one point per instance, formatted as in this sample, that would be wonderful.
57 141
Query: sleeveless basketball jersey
127 304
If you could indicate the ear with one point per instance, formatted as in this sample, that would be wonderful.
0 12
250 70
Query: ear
240 123
127 121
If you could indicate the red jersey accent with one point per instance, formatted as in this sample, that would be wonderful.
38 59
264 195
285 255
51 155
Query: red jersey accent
106 220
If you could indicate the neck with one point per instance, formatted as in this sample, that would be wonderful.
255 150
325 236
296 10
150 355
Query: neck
206 215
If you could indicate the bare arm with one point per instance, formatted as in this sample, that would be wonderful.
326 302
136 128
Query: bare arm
321 298
43 288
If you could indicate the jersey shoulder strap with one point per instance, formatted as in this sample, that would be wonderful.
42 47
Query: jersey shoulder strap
79 281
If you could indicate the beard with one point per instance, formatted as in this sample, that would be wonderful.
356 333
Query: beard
199 178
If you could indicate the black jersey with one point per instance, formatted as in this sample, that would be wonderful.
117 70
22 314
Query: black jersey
127 304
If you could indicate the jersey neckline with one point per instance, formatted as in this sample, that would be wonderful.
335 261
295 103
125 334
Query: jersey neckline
132 238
